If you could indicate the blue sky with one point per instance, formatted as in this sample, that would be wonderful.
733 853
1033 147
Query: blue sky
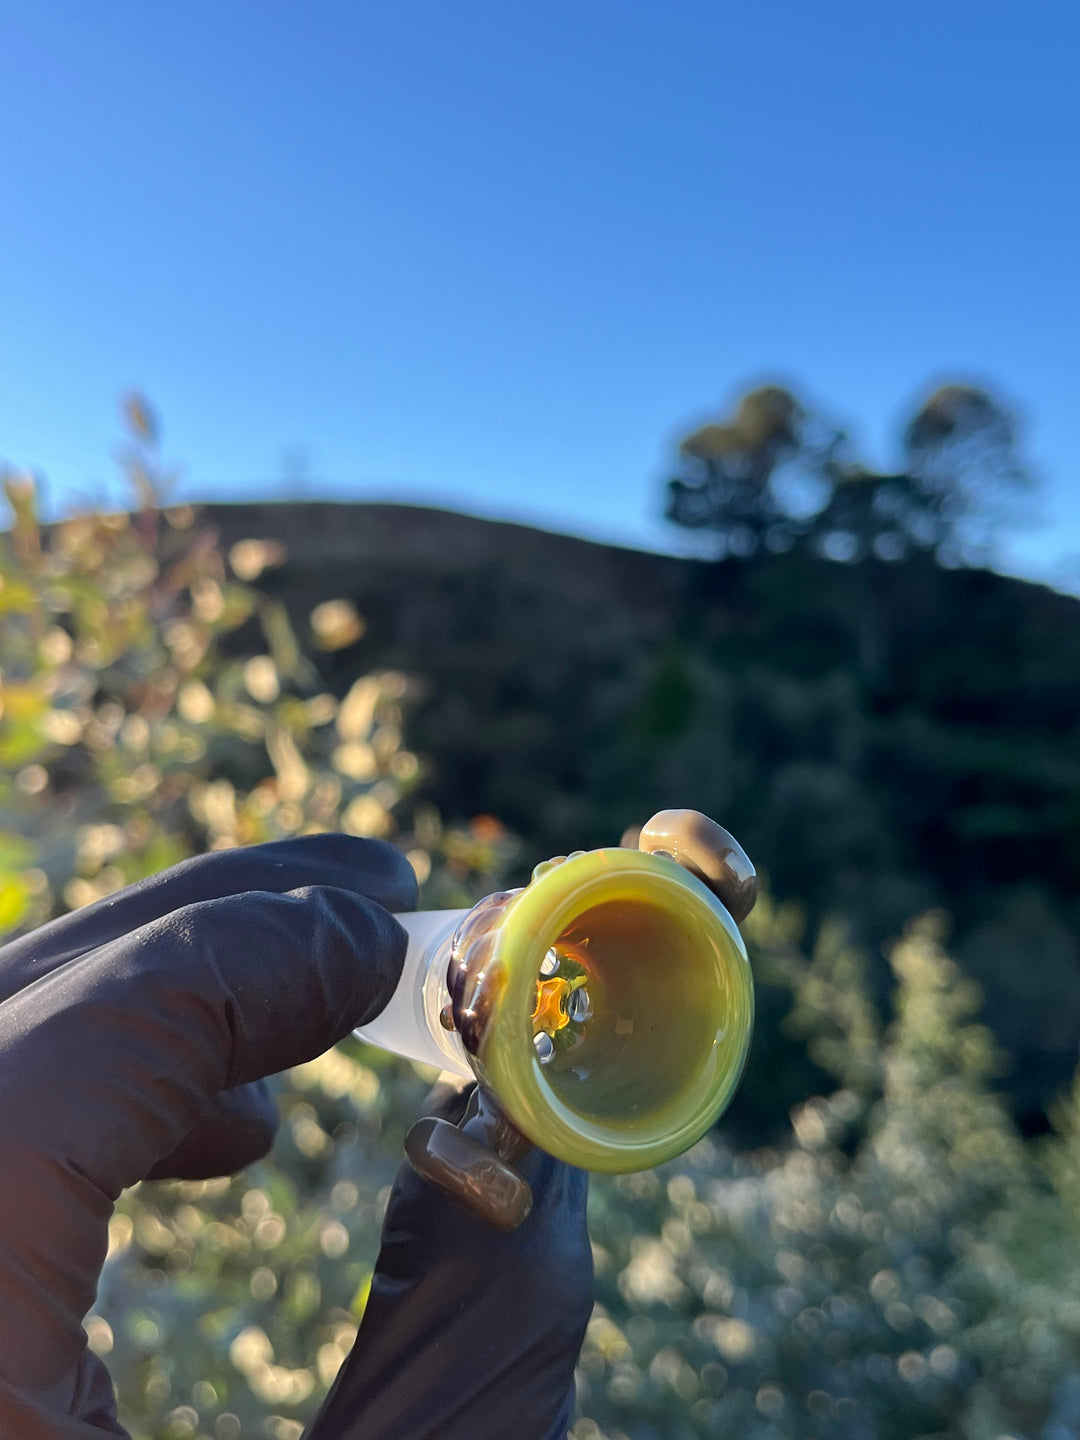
498 255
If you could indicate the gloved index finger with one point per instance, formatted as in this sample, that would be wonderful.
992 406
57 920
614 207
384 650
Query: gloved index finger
106 1064
367 867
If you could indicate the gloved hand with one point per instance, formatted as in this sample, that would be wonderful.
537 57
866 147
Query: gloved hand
134 1036
469 1333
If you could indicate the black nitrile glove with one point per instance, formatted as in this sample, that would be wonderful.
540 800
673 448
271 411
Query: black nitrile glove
134 1036
468 1333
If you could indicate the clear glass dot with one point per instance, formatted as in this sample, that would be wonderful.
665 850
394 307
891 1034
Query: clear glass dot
550 963
579 1006
544 1046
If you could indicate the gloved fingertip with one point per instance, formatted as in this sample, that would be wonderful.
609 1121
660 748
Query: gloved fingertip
448 1098
237 1129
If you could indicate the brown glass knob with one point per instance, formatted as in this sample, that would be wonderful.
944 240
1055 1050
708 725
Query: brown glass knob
708 851
475 1163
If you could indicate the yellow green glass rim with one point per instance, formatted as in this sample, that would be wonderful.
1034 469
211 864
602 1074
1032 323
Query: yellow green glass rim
508 1059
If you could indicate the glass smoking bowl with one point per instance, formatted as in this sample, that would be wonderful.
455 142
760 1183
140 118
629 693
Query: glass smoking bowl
606 1010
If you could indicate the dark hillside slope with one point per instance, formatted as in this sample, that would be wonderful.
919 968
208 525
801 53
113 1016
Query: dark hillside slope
881 738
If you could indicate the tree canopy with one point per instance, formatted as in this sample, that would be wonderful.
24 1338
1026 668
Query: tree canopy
777 474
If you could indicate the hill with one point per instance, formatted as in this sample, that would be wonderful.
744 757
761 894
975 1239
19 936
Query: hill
882 738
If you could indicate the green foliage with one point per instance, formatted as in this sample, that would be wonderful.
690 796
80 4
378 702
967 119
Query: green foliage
154 704
901 1267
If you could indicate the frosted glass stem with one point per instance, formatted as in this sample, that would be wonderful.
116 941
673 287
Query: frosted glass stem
409 1025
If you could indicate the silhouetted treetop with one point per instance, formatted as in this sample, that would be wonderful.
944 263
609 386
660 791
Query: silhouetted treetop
727 469
776 474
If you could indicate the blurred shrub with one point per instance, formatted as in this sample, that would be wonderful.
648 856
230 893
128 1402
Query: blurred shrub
906 1265
130 736
153 704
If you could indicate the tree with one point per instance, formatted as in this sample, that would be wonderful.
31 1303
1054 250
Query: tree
776 475
728 468
965 475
